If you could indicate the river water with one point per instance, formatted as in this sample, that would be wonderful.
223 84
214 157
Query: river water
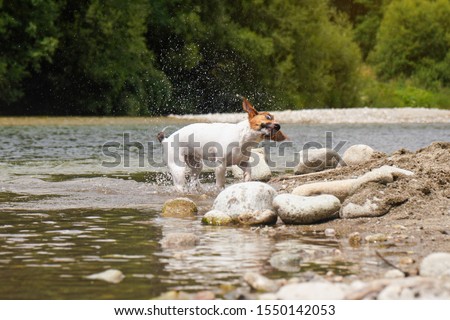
68 210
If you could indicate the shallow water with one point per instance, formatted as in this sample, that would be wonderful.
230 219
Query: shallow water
65 216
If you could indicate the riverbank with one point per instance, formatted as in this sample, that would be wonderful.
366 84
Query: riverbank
323 116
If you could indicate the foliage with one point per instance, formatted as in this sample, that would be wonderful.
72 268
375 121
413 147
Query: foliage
414 41
151 57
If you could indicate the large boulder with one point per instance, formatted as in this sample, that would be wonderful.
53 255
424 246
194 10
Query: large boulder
245 197
293 209
314 160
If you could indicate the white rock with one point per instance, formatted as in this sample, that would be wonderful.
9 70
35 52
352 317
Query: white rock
110 275
340 188
293 209
344 188
329 232
314 160
357 154
435 265
312 291
393 274
245 197
260 170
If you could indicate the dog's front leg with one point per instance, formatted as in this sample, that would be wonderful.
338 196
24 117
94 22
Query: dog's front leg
247 170
220 172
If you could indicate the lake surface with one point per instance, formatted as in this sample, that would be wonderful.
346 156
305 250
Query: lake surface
67 211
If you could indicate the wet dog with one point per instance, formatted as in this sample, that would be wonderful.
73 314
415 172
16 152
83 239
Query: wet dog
223 144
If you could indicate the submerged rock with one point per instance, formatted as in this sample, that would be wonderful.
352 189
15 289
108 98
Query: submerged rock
314 160
435 265
377 237
260 169
110 275
358 154
179 208
293 209
286 261
245 197
180 240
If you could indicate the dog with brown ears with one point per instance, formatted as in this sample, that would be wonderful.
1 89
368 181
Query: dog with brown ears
223 144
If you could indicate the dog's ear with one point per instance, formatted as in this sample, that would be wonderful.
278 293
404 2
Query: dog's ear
247 106
279 136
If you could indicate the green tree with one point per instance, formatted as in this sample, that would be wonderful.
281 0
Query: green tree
414 42
28 37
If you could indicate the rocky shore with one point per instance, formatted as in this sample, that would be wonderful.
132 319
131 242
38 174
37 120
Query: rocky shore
375 201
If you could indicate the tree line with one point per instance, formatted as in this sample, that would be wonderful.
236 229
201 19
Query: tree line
154 57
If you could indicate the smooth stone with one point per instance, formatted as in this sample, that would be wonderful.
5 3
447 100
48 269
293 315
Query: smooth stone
293 209
179 208
314 160
258 217
180 240
377 237
330 232
339 188
260 171
344 188
260 282
435 265
217 218
358 154
312 291
245 197
354 239
110 275
394 274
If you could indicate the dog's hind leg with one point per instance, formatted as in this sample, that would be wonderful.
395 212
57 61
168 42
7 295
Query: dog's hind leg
178 177
220 172
195 165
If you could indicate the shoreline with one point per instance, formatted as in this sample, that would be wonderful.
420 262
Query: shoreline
336 116
305 116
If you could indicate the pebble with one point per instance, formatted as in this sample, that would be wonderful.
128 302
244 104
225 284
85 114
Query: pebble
330 232
394 273
110 275
377 237
180 240
179 208
355 239
260 282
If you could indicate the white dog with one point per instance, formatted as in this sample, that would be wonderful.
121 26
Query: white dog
224 144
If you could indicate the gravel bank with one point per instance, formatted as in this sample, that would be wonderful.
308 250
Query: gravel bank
356 115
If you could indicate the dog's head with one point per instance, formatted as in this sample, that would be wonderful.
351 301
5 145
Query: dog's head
263 122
